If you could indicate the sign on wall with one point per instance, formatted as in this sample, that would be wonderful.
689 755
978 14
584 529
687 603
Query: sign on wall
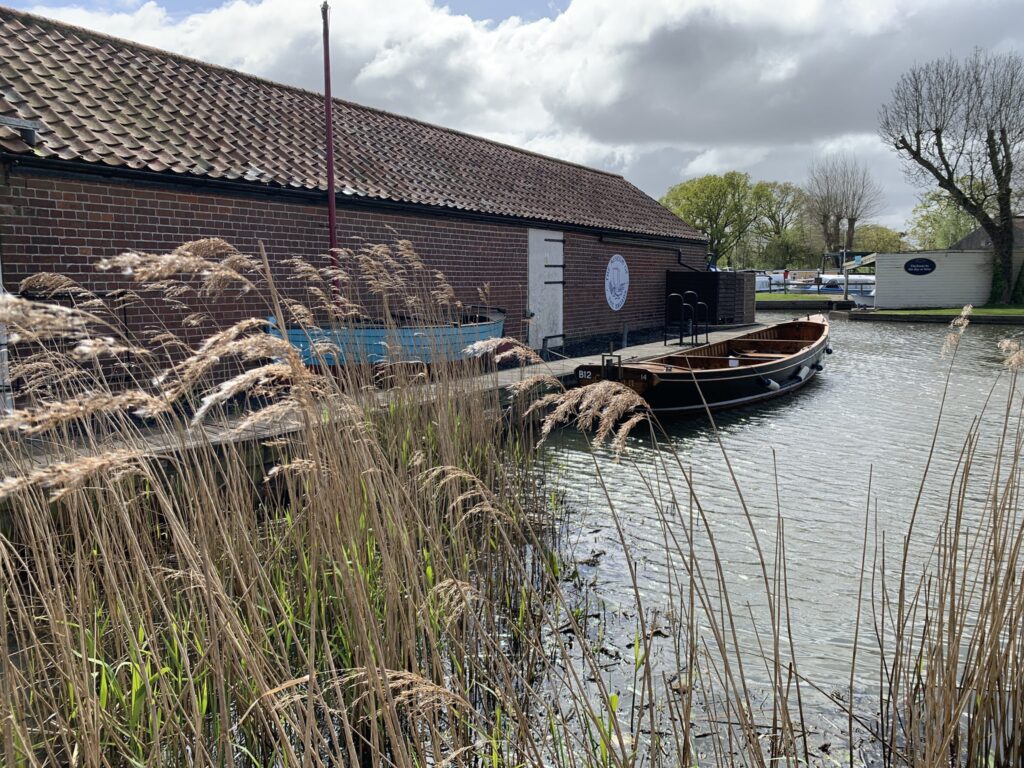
616 282
919 266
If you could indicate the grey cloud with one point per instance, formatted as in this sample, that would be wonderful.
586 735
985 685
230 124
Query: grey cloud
654 171
698 87
690 88
701 82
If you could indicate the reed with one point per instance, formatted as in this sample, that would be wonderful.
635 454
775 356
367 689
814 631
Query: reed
215 555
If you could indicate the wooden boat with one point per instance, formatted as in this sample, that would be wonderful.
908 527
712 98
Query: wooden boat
374 344
747 369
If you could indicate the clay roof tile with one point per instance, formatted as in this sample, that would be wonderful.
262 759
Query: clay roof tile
108 101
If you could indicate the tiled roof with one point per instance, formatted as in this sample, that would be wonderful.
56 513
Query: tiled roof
979 240
105 101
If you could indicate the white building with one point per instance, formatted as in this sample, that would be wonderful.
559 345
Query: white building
924 279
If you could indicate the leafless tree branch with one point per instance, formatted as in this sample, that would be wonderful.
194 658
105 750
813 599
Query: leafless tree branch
960 124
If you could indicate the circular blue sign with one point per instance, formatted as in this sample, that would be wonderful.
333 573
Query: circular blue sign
919 266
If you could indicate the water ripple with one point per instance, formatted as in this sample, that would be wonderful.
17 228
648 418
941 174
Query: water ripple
807 457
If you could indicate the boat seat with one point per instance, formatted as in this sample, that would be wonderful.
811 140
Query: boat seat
764 355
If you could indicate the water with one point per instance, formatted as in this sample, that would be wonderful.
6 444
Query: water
872 410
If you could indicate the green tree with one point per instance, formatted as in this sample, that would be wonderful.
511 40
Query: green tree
937 221
777 238
777 205
719 206
790 250
875 237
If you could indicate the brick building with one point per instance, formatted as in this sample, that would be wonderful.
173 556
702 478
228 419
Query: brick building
107 146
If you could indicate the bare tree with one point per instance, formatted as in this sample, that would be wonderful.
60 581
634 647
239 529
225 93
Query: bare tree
823 200
960 124
840 190
861 195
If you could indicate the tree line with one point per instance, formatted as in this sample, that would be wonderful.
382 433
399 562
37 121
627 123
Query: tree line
957 126
777 225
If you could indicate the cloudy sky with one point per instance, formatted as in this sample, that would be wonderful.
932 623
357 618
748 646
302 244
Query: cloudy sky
658 90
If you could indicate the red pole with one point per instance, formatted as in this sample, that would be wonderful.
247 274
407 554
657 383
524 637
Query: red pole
332 213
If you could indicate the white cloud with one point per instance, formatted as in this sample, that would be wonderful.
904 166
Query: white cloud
654 89
721 159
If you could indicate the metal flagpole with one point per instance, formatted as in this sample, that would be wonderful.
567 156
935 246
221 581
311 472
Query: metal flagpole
332 212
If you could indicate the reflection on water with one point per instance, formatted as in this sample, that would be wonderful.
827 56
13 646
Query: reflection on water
872 411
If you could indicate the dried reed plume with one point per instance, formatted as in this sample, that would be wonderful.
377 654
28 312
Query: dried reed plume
265 380
338 307
624 430
1013 354
527 385
81 408
50 284
195 259
408 255
443 293
300 269
196 319
293 467
484 293
382 274
236 340
957 327
450 601
64 477
471 499
601 407
284 410
413 694
503 350
120 298
105 346
32 321
299 313
34 373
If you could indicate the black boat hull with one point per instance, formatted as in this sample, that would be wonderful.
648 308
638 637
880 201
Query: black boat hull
699 391
748 369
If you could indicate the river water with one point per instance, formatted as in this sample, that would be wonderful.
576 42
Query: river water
873 410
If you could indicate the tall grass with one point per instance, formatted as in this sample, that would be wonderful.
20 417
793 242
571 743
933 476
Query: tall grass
215 555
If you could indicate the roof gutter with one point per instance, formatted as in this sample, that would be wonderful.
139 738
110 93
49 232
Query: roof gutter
81 170
615 240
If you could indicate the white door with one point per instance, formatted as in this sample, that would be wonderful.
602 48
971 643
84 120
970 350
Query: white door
547 278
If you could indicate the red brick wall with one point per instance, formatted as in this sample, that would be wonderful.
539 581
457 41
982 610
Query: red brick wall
66 225
586 309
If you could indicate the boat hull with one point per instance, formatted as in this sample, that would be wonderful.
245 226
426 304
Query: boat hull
670 389
375 345
695 393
